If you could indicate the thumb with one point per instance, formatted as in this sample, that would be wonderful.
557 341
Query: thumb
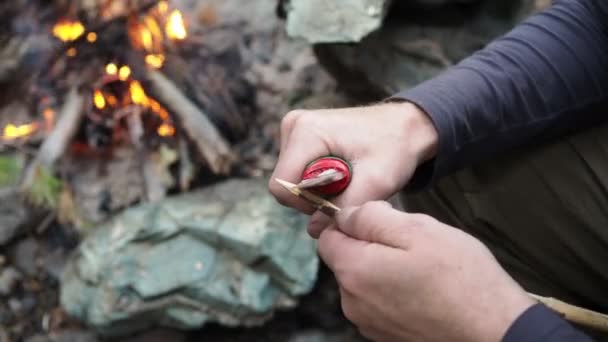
375 222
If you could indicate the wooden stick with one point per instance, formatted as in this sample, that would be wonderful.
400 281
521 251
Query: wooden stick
210 143
318 202
55 145
575 314
572 313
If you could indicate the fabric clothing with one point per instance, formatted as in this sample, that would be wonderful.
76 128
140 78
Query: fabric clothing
540 324
547 77
542 211
544 214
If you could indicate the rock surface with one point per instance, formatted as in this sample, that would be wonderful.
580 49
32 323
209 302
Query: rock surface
228 254
414 45
320 21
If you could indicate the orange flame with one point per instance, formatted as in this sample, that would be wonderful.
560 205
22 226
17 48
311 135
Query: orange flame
163 7
175 28
138 95
124 72
49 119
155 61
111 69
68 30
166 130
91 37
99 100
12 132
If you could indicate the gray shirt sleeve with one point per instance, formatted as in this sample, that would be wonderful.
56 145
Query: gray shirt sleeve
545 78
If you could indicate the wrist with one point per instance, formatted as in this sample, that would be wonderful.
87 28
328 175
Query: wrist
421 133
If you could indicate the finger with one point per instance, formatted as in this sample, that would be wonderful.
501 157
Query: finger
376 222
318 222
337 250
287 124
303 147
370 182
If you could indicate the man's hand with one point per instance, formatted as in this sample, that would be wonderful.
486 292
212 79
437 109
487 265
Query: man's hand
409 277
384 143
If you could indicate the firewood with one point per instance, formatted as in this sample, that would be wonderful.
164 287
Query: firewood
55 145
211 145
58 140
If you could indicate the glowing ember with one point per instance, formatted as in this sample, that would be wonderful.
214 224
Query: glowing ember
99 100
112 100
175 28
91 37
49 119
71 52
124 72
166 130
146 38
12 132
163 7
68 30
155 61
111 69
138 95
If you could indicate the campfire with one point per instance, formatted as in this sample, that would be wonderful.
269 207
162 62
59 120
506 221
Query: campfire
117 93
129 76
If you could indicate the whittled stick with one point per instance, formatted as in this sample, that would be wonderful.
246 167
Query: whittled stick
572 313
318 202
575 314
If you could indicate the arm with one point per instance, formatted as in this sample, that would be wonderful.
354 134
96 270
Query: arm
539 323
546 77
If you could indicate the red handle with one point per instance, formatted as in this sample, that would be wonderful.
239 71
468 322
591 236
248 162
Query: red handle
329 163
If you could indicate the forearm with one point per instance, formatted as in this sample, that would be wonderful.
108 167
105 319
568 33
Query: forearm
546 77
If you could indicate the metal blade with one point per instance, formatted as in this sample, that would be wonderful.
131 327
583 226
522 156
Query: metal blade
324 178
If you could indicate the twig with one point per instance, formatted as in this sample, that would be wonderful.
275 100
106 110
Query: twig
318 202
58 140
572 313
55 145
210 143
575 314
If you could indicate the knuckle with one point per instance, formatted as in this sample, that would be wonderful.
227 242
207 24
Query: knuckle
385 184
291 118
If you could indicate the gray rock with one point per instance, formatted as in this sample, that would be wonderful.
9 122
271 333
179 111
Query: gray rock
70 335
24 256
9 277
158 335
73 336
38 338
407 51
54 262
13 214
320 21
228 254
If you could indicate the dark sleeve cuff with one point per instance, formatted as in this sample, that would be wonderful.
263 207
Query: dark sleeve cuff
541 324
428 98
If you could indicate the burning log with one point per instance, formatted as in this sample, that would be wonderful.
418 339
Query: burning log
212 146
57 142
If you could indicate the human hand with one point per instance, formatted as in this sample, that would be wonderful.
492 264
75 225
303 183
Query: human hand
384 143
410 277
